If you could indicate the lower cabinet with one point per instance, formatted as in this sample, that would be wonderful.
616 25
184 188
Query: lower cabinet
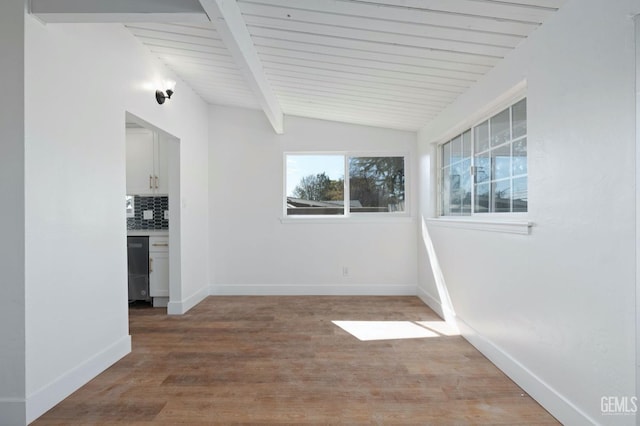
159 267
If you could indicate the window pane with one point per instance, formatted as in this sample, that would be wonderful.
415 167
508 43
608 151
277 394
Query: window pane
455 185
315 184
465 187
520 194
500 128
482 198
446 154
376 184
481 137
519 159
519 113
501 162
456 149
501 199
446 192
483 167
466 144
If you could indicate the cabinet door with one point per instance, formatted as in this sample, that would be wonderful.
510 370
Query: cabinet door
159 274
140 173
161 176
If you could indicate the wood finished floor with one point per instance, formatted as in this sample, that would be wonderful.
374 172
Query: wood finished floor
280 360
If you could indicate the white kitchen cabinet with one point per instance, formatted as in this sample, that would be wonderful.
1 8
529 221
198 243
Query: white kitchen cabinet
147 163
161 158
159 266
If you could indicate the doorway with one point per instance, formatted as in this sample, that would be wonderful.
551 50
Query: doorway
167 191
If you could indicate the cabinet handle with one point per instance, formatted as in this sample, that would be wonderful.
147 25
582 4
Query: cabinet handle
160 244
150 264
156 182
150 182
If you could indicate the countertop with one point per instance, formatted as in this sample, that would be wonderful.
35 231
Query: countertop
148 232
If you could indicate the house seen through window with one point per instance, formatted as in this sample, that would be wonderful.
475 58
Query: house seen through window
484 169
316 184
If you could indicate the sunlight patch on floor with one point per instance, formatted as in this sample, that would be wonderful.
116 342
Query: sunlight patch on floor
388 330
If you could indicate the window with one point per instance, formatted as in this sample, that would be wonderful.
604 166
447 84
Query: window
484 169
316 184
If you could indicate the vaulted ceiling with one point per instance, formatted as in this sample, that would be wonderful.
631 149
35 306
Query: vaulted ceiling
387 63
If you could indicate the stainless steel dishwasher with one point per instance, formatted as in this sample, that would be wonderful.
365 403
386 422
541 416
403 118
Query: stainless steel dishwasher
138 265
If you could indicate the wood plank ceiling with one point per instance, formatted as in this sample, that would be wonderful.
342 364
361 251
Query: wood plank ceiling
386 63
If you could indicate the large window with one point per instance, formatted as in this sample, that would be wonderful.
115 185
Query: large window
316 184
484 169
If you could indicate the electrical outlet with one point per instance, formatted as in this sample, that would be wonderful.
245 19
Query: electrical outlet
345 271
166 215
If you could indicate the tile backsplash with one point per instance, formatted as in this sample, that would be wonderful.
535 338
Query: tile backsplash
156 206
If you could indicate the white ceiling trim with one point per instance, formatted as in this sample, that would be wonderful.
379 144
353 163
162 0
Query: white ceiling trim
100 11
234 33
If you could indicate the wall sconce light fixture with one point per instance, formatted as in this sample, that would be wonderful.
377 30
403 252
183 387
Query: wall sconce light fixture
169 87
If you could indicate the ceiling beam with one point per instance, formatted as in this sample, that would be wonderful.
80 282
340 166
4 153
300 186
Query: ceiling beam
230 25
95 11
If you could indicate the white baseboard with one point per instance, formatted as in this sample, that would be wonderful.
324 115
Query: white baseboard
312 290
13 412
181 307
431 302
554 402
40 401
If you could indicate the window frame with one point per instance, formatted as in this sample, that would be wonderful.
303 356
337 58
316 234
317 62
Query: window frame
484 116
348 215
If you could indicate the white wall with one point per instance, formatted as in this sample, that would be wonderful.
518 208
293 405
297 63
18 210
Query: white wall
252 252
80 80
555 309
12 266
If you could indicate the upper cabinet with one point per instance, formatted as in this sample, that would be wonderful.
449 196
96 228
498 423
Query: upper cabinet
161 155
147 163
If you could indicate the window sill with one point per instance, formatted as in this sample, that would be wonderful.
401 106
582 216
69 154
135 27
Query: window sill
522 227
310 219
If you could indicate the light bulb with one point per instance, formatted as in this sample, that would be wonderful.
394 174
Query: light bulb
170 85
